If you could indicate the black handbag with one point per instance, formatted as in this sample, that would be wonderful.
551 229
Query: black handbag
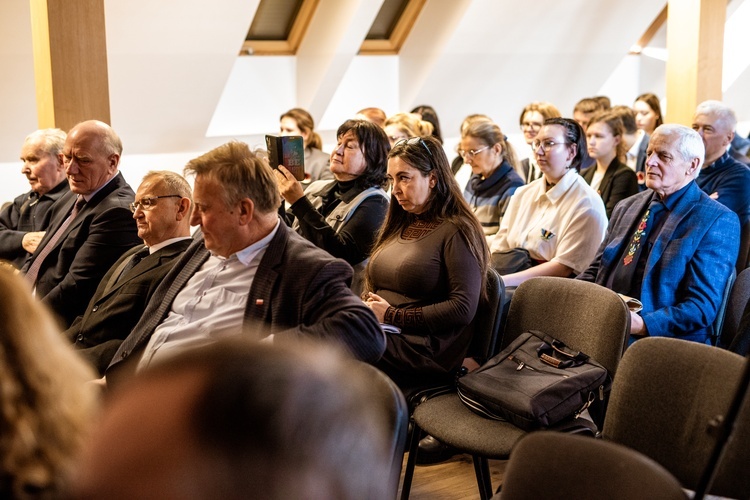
535 382
511 261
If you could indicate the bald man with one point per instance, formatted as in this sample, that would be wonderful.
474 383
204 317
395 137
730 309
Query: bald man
93 231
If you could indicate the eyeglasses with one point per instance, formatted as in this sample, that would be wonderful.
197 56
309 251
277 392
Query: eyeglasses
149 203
545 145
411 141
533 125
468 155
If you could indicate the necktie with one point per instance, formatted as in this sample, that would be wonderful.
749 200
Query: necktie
137 257
641 232
33 271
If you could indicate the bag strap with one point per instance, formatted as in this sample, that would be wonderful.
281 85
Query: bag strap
555 353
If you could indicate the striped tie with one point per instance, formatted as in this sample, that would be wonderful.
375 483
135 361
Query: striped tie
33 271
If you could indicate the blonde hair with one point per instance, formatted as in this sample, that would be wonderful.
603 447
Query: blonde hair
45 404
490 134
411 124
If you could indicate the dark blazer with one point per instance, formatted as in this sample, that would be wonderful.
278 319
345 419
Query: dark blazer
101 232
14 225
687 268
299 290
618 183
114 310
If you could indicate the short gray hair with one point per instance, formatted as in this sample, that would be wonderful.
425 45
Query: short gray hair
54 139
724 114
687 141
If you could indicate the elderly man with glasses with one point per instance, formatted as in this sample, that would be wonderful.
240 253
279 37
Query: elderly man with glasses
162 214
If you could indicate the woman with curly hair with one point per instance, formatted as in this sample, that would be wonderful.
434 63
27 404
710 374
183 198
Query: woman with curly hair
46 405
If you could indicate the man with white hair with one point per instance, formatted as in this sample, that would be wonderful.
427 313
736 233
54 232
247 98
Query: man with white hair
671 246
722 177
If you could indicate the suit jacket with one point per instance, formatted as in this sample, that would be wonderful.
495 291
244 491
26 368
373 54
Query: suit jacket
687 268
113 312
14 226
299 290
101 232
618 183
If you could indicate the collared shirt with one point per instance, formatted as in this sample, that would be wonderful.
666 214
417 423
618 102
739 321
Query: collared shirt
631 159
212 304
565 224
166 243
88 197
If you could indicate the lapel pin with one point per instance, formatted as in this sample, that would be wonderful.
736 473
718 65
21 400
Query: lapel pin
258 302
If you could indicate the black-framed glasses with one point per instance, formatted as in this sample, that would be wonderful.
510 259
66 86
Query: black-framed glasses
149 202
411 141
468 155
546 145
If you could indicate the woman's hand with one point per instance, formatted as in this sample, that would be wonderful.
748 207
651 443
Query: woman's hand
378 305
289 187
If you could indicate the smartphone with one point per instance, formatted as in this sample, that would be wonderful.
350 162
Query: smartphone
288 151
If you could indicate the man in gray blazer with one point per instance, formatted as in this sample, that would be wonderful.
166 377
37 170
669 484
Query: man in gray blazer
162 213
247 274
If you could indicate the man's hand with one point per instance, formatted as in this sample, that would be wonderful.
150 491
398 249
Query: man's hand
714 195
31 240
637 326
289 187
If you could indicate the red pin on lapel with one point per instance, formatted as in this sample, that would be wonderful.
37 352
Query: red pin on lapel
258 302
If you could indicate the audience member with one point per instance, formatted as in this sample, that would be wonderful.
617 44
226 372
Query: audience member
494 179
428 113
554 225
406 125
611 178
739 149
297 121
94 227
671 247
603 101
647 112
247 273
461 171
23 222
46 407
531 122
162 213
723 178
343 216
374 115
585 109
636 143
427 269
239 419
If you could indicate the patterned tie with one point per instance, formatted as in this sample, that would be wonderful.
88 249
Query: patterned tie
33 271
641 233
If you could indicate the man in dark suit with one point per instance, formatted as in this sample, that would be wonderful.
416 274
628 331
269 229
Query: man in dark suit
93 231
248 274
162 213
723 178
671 247
23 222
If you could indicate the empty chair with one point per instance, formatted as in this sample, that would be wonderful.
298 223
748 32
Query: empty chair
557 465
585 316
738 300
666 393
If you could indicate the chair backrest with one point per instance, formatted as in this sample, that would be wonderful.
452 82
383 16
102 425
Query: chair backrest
743 258
485 326
718 324
665 394
738 299
398 413
558 465
585 316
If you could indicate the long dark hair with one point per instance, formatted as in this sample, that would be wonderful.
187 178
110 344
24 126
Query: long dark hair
374 144
574 134
445 203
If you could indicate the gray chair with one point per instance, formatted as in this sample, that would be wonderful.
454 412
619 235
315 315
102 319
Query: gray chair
485 328
666 393
585 316
736 304
557 465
